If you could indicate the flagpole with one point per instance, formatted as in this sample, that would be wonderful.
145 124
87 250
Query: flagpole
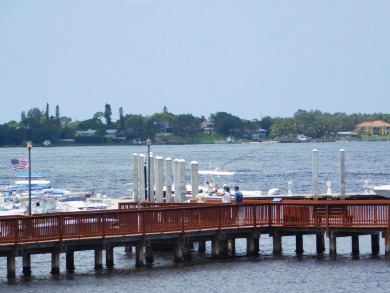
29 146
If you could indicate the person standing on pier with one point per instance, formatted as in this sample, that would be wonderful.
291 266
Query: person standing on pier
238 195
200 197
226 195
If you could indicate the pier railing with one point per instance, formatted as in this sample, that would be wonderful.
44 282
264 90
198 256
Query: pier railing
155 218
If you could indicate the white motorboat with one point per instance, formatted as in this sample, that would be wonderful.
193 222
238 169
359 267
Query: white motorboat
382 190
80 201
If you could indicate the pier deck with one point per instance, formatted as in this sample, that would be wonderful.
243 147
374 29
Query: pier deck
150 225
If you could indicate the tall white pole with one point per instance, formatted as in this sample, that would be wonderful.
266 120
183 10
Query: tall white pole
194 179
141 166
342 172
159 164
315 172
168 179
135 185
176 179
182 176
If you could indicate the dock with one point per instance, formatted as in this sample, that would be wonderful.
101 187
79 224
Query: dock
147 226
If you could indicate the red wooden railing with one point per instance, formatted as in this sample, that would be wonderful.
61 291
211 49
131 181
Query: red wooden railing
172 218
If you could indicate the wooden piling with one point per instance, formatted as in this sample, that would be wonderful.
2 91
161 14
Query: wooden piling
139 255
26 264
202 246
355 244
299 243
98 259
148 253
55 263
109 256
277 243
11 266
70 261
332 244
320 242
231 247
178 251
375 247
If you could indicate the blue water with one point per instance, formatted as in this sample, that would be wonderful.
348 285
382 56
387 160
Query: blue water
258 166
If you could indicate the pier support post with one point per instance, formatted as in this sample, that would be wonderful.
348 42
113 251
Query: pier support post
387 243
139 255
148 253
277 243
355 244
26 264
320 242
187 250
299 244
128 249
375 244
223 251
231 247
11 266
252 245
202 246
55 263
98 259
109 257
215 248
70 261
332 244
178 251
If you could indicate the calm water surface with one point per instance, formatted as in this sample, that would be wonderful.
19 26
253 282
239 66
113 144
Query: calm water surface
258 166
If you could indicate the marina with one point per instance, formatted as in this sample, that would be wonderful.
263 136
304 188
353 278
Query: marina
271 166
149 226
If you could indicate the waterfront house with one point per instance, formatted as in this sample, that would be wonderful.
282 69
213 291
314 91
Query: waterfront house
377 127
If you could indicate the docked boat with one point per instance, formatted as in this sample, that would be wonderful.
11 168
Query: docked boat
80 201
382 190
39 186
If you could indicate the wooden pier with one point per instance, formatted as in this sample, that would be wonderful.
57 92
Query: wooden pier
150 225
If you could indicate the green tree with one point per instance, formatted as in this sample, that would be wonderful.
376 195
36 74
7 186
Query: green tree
226 123
107 114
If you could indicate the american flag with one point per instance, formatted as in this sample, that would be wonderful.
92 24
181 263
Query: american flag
19 164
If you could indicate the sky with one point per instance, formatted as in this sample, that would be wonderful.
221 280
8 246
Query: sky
250 58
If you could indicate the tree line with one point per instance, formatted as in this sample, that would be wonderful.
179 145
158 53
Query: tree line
38 125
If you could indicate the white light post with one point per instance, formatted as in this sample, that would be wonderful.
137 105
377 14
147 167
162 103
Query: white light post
148 143
29 146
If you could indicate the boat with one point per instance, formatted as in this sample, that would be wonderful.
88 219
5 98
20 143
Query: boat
213 176
39 186
382 190
72 202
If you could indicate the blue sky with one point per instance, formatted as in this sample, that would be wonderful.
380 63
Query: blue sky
250 58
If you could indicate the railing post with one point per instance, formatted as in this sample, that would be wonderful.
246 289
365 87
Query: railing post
16 231
61 227
327 219
219 217
144 224
182 220
269 205
103 221
254 216
387 234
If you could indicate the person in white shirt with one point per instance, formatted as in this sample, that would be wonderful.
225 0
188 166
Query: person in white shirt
226 195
